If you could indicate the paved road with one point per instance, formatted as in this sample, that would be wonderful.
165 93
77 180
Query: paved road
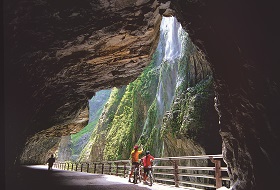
39 178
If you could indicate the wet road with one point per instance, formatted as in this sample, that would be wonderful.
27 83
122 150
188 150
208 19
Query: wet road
39 178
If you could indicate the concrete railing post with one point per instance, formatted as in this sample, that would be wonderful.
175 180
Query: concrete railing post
110 168
102 168
87 167
176 172
218 173
94 169
117 169
124 170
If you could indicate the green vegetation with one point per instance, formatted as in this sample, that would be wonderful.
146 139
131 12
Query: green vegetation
80 139
128 122
173 100
189 115
87 129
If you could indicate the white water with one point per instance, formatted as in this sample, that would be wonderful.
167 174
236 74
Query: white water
169 54
171 29
160 98
171 43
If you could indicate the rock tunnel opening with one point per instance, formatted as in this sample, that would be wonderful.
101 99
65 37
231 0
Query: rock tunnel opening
176 87
239 39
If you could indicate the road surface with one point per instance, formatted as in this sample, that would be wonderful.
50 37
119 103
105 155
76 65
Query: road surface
37 177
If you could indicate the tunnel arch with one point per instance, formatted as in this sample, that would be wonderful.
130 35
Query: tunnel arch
239 39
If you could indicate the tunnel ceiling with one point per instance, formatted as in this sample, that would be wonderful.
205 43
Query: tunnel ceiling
59 53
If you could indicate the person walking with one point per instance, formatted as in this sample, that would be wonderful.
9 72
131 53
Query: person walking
50 162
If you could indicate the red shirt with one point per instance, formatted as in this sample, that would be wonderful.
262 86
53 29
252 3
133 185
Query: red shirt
147 161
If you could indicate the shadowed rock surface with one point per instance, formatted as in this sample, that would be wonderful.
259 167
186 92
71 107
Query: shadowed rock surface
240 40
59 53
62 53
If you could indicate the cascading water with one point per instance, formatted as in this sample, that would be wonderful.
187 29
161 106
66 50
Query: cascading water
172 29
169 53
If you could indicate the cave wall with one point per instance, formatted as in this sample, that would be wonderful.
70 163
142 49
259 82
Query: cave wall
240 41
39 148
59 53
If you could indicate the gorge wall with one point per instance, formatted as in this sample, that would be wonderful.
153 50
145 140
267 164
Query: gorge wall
240 41
58 54
177 85
40 146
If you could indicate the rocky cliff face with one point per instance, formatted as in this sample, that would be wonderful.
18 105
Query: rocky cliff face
190 127
98 139
44 143
38 149
69 147
64 151
168 108
59 53
240 41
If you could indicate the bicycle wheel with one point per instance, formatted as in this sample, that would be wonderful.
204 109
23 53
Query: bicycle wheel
135 176
151 178
139 176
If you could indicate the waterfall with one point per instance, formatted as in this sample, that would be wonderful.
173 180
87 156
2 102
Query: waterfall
159 97
171 43
169 54
171 28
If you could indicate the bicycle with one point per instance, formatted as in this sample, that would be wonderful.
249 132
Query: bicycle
137 174
150 177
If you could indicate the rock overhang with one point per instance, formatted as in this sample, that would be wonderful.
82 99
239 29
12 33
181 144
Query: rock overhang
63 52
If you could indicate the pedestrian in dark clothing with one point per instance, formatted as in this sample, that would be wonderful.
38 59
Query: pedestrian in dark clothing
50 161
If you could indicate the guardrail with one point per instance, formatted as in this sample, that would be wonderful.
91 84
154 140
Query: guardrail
204 171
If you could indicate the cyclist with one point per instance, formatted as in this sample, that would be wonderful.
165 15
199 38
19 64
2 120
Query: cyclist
134 159
146 160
